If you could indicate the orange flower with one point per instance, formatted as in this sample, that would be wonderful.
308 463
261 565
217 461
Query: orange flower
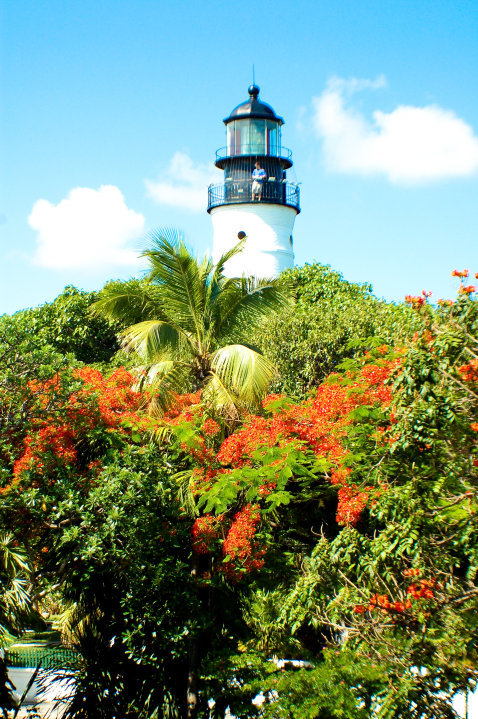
467 290
414 301
411 572
469 372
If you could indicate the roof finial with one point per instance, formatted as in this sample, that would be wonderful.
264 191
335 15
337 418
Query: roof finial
253 92
253 89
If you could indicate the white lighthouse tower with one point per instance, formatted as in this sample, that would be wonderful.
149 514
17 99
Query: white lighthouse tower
265 217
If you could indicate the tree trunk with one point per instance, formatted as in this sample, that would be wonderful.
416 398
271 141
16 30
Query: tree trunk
192 686
192 683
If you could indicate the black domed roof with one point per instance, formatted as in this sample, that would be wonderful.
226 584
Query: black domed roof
253 108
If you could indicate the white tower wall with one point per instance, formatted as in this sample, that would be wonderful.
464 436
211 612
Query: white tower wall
268 227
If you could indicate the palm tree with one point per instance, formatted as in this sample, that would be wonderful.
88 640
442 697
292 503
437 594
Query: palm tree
14 598
14 603
194 325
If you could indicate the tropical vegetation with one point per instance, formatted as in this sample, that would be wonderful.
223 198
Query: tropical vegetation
203 545
195 325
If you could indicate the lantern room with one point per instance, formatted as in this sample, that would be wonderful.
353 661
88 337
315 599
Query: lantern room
253 128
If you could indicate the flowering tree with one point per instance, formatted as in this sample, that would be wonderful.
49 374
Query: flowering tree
325 325
289 455
91 501
381 464
320 551
399 589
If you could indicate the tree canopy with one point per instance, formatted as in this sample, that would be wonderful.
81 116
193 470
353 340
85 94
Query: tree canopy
329 317
67 325
317 557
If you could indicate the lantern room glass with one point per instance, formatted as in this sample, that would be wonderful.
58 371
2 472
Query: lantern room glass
253 137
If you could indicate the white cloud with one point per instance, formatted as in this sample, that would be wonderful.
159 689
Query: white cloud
409 145
355 84
89 229
184 183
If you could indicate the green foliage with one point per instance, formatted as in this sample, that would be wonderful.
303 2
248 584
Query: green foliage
67 325
416 549
308 341
125 569
375 619
385 610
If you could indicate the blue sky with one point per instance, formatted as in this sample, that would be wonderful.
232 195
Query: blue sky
111 113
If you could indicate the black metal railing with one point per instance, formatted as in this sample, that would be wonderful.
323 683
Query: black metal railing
276 192
256 149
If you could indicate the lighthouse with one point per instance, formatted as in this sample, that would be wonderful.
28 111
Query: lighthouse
255 201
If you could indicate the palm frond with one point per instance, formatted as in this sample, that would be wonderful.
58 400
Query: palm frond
244 372
129 302
218 395
162 433
166 379
14 597
181 279
184 480
247 302
12 559
218 286
151 339
225 257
